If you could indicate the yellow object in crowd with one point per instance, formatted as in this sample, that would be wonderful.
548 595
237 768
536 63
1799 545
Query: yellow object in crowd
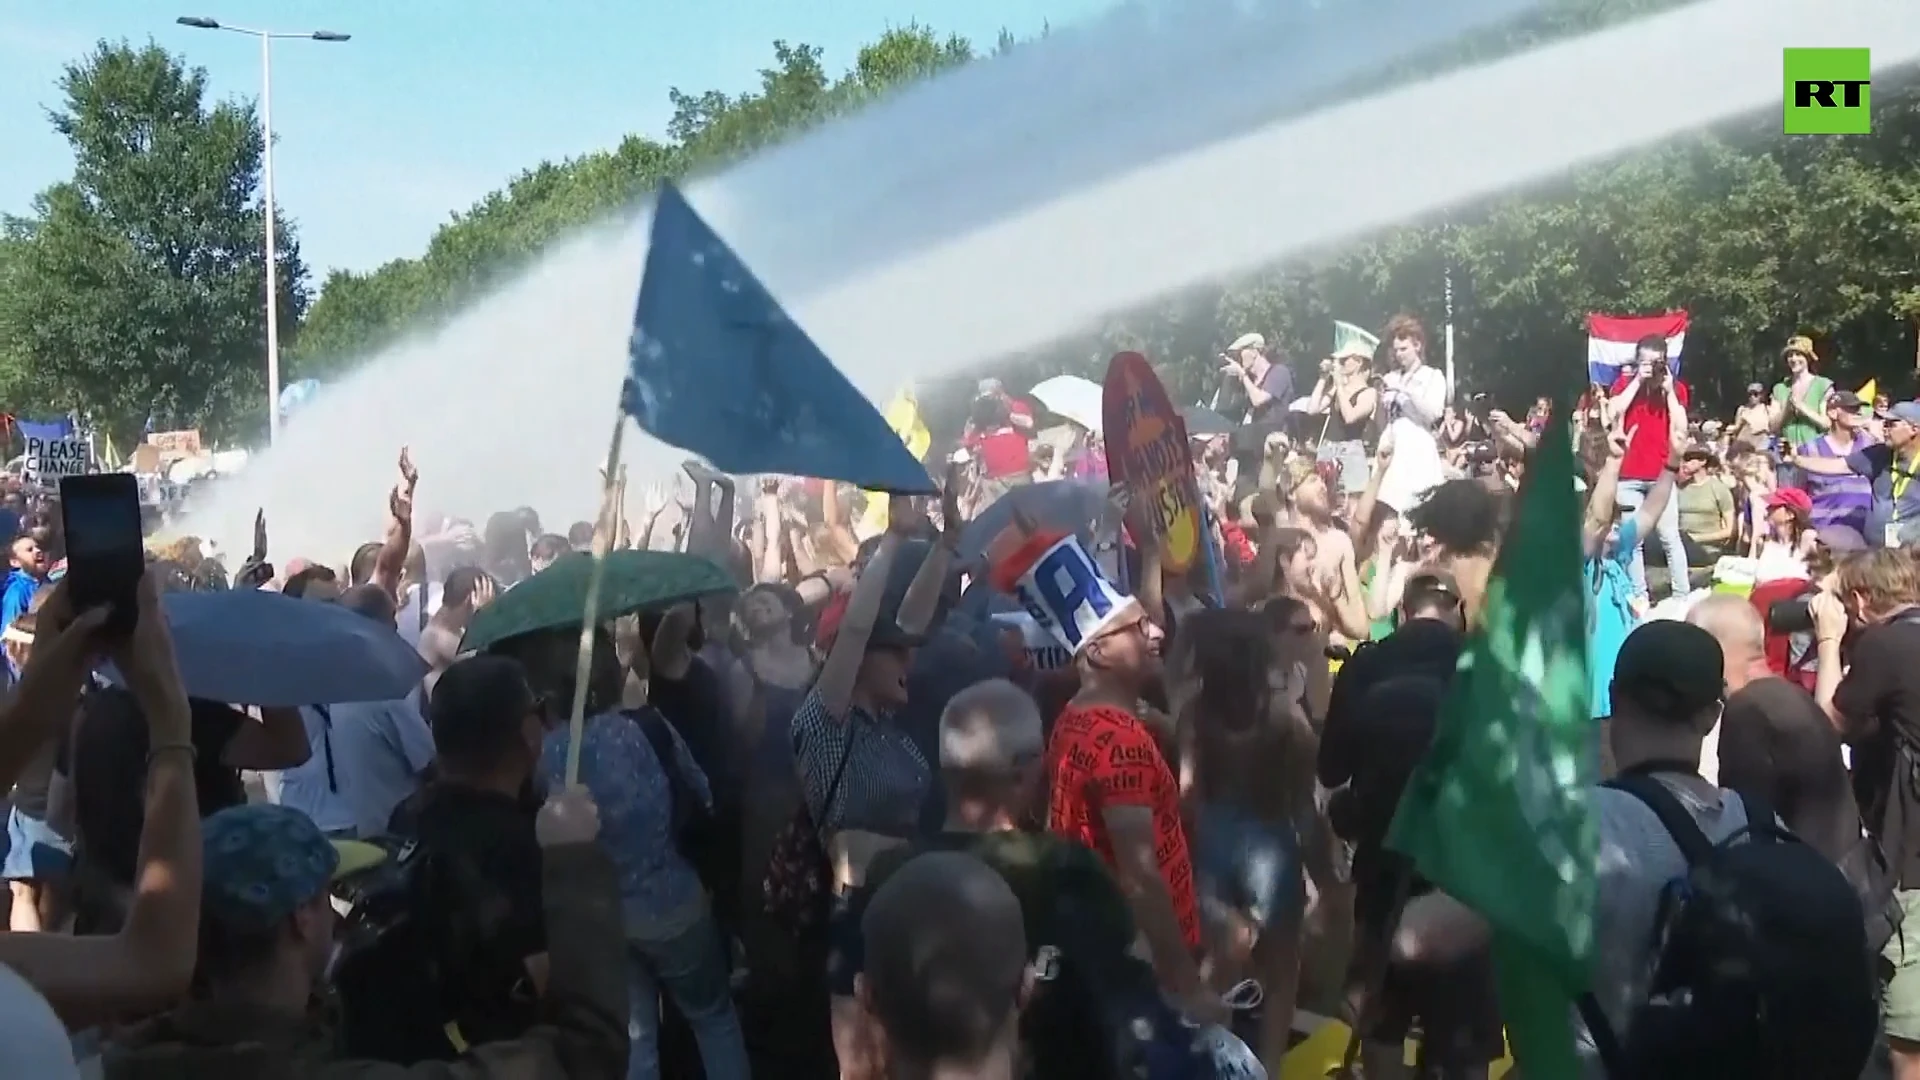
1319 1057
903 416
1870 391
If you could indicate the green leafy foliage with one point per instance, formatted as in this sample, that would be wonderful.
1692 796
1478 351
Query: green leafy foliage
137 288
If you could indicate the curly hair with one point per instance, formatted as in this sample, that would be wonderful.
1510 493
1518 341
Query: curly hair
1405 326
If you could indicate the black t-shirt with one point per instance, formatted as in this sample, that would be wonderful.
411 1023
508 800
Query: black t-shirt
109 768
696 705
1776 743
1073 913
486 872
1880 700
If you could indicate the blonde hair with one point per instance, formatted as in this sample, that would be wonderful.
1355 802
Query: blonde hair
1887 578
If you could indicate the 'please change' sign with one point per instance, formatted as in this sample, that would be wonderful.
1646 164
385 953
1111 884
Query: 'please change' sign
50 459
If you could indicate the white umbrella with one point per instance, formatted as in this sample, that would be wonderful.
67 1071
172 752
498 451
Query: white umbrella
1077 399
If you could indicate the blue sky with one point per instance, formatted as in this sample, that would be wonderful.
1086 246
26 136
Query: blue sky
434 103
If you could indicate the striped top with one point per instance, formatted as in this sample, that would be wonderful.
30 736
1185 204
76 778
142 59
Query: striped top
1838 500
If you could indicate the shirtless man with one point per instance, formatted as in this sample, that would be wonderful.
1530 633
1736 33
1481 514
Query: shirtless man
1338 604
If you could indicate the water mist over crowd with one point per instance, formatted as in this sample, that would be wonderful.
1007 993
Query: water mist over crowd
1012 203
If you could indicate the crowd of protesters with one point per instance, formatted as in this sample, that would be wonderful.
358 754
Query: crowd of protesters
866 816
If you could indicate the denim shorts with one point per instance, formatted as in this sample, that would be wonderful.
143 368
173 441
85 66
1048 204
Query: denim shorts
34 850
1249 867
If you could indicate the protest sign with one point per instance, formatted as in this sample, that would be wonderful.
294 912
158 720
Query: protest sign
1147 450
174 445
50 459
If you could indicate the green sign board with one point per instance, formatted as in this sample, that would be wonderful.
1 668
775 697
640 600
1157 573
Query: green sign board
1827 92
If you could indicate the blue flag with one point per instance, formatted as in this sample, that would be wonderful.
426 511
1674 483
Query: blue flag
719 369
46 430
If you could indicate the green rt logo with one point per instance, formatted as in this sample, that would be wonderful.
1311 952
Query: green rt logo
1827 92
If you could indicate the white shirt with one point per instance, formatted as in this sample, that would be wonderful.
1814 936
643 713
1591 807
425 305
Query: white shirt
1419 395
378 750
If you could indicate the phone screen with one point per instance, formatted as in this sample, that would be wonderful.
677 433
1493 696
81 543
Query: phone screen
100 523
105 556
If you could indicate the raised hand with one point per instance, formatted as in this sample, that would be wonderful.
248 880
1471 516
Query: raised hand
409 476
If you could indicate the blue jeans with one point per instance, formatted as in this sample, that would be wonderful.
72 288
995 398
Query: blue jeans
1630 496
693 968
1247 867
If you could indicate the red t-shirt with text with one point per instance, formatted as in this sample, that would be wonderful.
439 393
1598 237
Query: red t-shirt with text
1099 757
1651 444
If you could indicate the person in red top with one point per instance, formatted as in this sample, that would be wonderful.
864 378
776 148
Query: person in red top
1652 406
1110 788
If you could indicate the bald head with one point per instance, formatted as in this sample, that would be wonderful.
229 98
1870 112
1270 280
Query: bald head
946 960
1736 625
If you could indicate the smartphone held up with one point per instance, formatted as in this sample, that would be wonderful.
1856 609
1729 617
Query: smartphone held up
100 513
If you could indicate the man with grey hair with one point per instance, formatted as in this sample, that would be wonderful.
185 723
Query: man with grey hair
1079 928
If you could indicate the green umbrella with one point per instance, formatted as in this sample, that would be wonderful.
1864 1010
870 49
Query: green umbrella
556 597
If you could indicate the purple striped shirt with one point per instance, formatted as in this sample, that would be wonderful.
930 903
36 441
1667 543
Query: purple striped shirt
1838 500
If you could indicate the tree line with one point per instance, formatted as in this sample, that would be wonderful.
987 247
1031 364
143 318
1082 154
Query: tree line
135 286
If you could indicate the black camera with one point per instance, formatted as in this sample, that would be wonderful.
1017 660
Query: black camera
1793 616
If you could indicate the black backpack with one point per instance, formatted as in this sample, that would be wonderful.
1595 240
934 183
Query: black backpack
696 832
408 982
1761 966
387 981
1098 1016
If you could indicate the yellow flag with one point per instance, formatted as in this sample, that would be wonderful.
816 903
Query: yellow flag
1870 391
903 416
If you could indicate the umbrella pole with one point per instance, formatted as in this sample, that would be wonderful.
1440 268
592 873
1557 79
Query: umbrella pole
589 621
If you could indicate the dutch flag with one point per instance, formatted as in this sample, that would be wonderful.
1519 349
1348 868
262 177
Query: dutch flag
1611 340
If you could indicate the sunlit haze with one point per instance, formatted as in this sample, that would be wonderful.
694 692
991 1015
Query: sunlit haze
1012 203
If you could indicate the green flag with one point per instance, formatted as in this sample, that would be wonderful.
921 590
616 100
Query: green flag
1499 815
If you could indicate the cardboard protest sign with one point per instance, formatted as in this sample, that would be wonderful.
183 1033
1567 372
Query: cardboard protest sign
1147 450
50 459
174 445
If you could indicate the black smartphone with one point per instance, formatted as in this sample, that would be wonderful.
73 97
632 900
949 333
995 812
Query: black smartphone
105 553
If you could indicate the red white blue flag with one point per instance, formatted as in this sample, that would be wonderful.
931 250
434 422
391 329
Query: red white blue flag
1611 340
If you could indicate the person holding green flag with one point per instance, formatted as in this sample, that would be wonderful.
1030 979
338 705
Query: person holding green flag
1499 816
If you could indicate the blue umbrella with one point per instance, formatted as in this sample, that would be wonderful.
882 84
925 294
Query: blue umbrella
1070 506
261 648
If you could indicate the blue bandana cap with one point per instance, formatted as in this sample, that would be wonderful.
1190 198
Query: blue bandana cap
261 864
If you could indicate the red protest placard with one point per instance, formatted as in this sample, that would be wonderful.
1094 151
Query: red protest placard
1147 450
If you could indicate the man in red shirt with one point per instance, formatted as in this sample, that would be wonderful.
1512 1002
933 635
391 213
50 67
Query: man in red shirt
996 435
1652 406
1110 788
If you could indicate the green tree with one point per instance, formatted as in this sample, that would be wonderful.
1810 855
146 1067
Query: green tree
357 313
137 288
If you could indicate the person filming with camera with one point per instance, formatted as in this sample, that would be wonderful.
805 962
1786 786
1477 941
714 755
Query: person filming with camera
1871 692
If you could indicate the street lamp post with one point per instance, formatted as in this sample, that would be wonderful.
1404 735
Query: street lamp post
267 38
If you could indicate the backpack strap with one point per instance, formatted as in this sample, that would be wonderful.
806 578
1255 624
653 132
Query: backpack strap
659 736
1665 805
